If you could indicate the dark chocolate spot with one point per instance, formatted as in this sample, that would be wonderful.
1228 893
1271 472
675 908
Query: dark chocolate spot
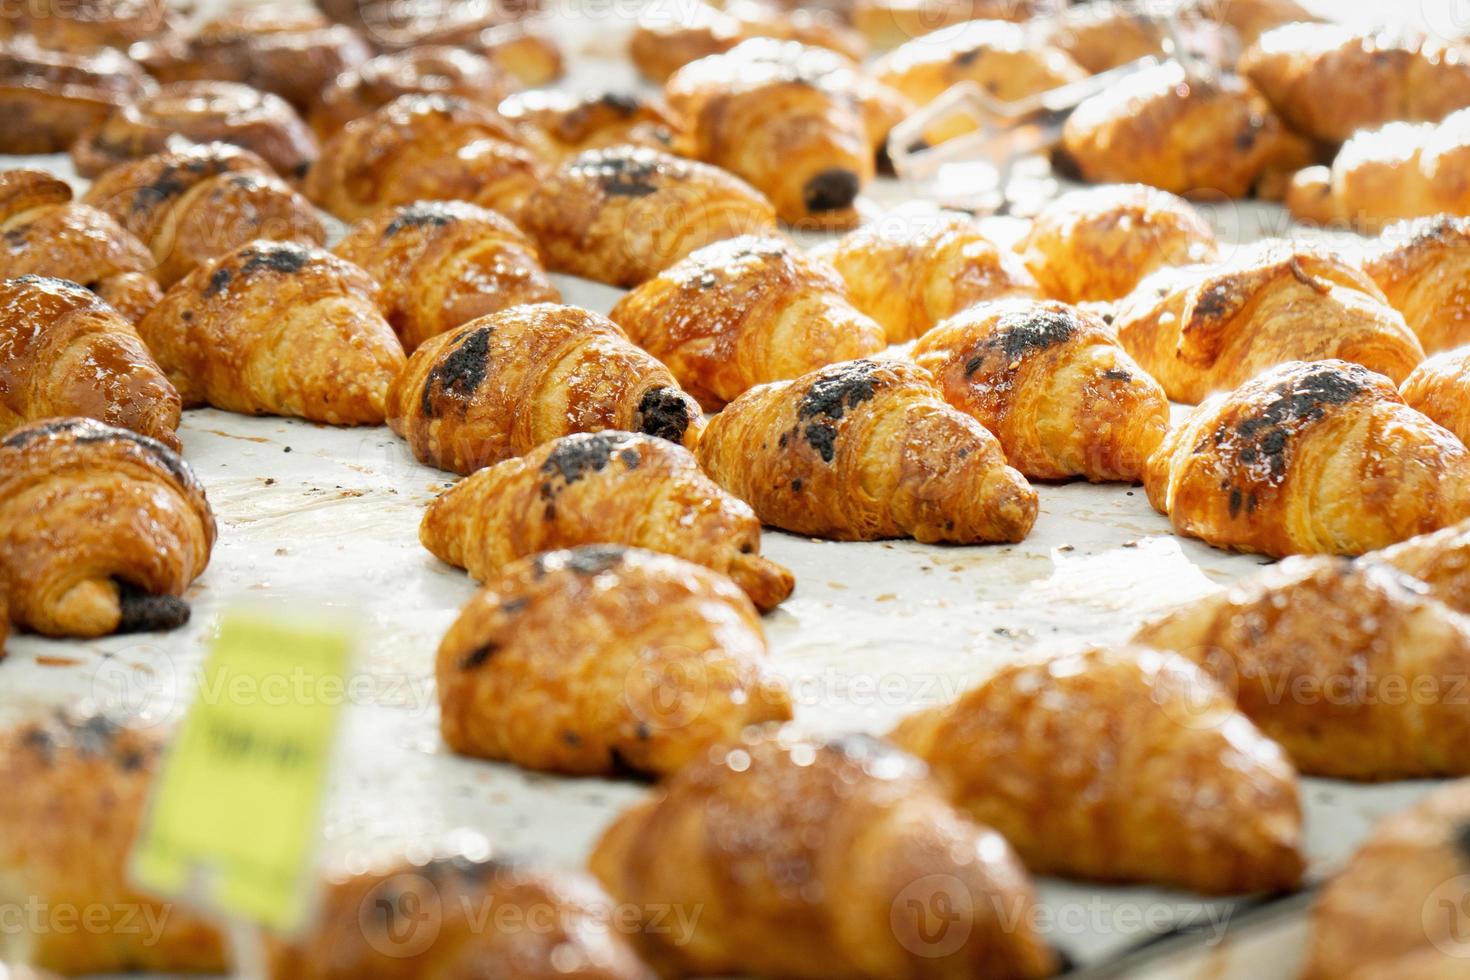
594 559
1118 374
90 431
1294 404
587 452
821 435
424 214
458 372
796 485
624 103
143 612
477 657
282 258
1019 334
829 398
1214 301
665 413
831 190
571 738
1462 842
627 174
218 280
621 768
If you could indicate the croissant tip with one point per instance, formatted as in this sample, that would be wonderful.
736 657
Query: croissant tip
831 190
767 583
143 612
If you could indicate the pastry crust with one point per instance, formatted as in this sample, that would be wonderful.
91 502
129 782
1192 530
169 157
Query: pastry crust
278 328
85 25
889 23
1309 458
1440 388
1426 277
418 71
571 124
624 214
1249 19
502 385
48 98
1103 35
999 56
743 312
1095 766
1052 383
615 487
865 450
666 40
101 529
1440 560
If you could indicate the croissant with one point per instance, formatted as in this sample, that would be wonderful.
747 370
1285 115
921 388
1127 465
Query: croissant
397 25
65 352
194 204
277 328
1439 560
1103 35
820 859
1423 276
1309 458
417 71
1314 649
667 39
624 214
890 23
502 385
572 124
423 147
1052 384
1440 388
101 529
1098 243
908 275
88 779
865 450
1097 765
85 25
47 234
444 263
1208 328
587 488
1249 19
48 98
200 112
526 51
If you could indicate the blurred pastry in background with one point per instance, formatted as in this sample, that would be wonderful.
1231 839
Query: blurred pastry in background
49 98
572 124
419 71
670 36
1103 34
1423 269
85 25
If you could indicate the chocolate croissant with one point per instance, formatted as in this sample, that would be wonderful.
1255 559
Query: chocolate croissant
444 263
1313 650
502 385
88 779
101 529
47 234
65 352
624 214
1203 329
1053 385
666 39
424 147
48 98
1423 275
1097 244
1096 765
865 450
194 204
742 312
1440 388
615 487
418 71
820 859
570 124
910 274
277 328
1309 458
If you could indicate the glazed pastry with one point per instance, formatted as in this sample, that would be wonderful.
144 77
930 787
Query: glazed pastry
48 98
1440 388
615 487
526 51
87 779
743 312
1426 277
668 38
821 859
866 450
1103 35
424 147
910 276
444 263
1099 765
1154 127
623 215
1440 560
101 530
1249 19
1053 385
502 385
192 205
397 25
418 71
277 328
65 352
1309 458
200 112
571 124
1098 243
1210 328
85 25
1312 649
890 23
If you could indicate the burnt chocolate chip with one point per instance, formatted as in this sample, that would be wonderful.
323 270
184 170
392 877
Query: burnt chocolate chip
822 436
282 258
831 190
595 559
476 658
424 214
587 452
623 769
665 413
459 372
218 281
143 612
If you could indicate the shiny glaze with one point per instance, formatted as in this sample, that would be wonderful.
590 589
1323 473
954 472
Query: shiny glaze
1425 275
48 98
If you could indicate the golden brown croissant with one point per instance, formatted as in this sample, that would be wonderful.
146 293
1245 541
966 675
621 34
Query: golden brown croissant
890 23
910 274
1098 243
821 859
424 147
1440 560
195 204
571 124
1314 650
200 112
101 529
865 450
1309 458
417 71
1425 274
444 263
88 779
47 234
602 661
277 328
1210 328
1440 388
397 25
742 312
85 25
65 352
528 52
624 214
1103 35
586 488
1188 137
1053 385
668 38
502 385
48 98
1118 765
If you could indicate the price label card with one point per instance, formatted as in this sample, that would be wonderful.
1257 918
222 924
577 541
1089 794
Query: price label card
234 817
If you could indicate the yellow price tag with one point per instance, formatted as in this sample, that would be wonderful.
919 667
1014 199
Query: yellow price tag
234 817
